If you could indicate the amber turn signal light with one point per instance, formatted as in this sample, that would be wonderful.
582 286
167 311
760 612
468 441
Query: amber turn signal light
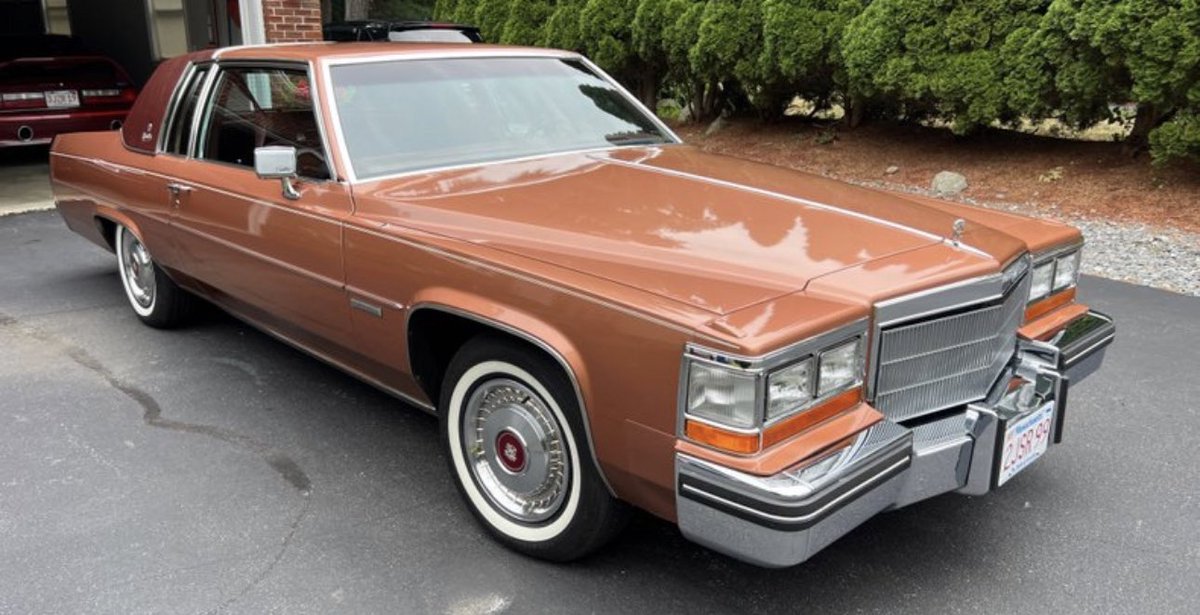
732 441
748 443
1049 304
795 424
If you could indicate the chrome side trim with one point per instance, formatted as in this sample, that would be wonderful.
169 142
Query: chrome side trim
537 342
363 306
383 301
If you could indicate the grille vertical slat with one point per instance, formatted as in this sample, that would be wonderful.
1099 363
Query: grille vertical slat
946 360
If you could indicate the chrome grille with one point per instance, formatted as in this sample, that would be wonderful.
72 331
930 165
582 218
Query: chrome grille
946 359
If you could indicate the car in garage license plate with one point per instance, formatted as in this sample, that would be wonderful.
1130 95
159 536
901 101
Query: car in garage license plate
59 99
1024 441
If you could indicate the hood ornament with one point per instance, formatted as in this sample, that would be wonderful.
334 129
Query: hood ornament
960 225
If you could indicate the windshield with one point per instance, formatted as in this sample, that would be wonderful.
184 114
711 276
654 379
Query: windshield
408 115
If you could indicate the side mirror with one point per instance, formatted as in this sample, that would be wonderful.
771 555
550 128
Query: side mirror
277 162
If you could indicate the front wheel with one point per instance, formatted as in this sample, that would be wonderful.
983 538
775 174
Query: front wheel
154 297
518 452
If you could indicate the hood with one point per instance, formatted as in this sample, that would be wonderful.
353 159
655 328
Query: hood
713 232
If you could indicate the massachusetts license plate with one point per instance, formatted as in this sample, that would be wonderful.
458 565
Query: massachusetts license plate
1024 441
59 99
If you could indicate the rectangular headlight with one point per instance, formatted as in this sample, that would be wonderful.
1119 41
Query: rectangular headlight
721 395
789 388
1043 277
840 366
1066 270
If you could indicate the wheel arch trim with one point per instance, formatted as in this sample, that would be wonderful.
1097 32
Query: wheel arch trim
503 321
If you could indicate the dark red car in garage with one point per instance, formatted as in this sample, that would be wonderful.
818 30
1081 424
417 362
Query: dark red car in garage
52 84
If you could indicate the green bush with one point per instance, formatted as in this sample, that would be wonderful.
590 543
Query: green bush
605 26
1177 139
967 62
651 22
941 58
562 29
801 49
491 16
527 22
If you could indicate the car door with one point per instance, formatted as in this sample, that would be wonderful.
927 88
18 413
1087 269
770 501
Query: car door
273 258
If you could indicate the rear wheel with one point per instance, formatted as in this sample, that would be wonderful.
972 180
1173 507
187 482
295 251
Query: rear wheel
154 297
517 450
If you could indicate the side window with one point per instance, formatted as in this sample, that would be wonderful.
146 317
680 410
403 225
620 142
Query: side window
254 107
180 126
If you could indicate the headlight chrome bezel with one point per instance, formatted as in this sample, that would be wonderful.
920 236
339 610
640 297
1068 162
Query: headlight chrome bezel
763 368
1046 265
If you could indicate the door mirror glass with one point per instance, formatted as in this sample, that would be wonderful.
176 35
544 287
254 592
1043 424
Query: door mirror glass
275 161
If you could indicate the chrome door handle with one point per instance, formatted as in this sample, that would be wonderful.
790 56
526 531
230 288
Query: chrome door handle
178 189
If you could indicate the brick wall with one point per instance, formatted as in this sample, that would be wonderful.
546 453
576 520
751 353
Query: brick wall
286 21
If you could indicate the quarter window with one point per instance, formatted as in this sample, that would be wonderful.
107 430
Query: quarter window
255 107
180 126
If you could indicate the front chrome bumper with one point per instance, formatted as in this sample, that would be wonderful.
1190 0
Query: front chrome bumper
784 519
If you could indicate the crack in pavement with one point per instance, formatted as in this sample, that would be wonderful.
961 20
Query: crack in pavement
285 466
266 572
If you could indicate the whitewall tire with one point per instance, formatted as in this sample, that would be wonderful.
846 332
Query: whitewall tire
517 449
154 297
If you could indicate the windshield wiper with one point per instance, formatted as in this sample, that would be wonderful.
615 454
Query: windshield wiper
635 137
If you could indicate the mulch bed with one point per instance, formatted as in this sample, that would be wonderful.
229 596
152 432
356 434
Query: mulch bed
1056 177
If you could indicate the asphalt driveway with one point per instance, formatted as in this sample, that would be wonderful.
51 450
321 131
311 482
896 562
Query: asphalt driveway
25 177
214 469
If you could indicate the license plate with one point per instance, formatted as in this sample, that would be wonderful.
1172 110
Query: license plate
1024 441
62 98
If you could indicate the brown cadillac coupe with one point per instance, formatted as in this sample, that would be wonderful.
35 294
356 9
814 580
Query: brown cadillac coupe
600 315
